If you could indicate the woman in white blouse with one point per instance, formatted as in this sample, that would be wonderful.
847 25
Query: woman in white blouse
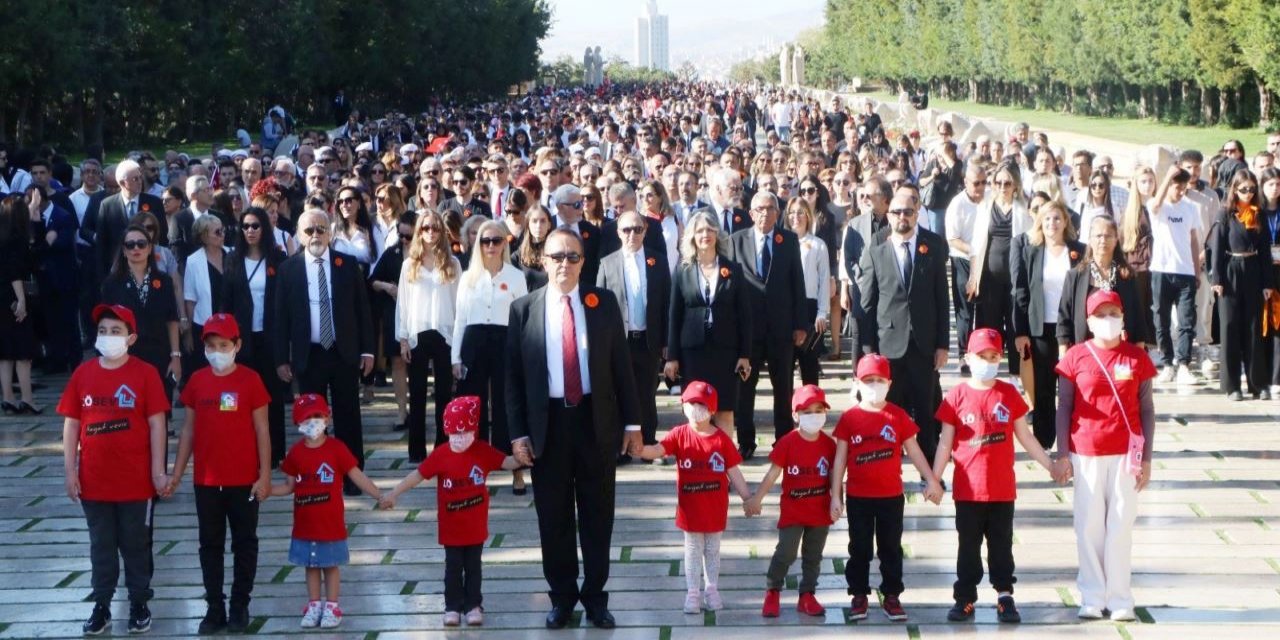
352 228
202 283
657 205
816 266
487 290
424 325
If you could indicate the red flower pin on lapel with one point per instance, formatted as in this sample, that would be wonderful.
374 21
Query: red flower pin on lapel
1075 255
591 300
924 249
737 219
271 271
724 272
651 262
586 234
155 284
337 262
502 286
777 238
146 207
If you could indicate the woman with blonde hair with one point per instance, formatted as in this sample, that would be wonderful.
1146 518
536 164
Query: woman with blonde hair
1136 241
424 325
389 204
656 205
816 266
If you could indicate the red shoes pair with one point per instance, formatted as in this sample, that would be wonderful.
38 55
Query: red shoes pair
807 604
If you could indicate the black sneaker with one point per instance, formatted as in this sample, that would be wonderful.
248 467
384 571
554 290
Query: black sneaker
139 618
238 621
961 612
215 620
98 621
1007 611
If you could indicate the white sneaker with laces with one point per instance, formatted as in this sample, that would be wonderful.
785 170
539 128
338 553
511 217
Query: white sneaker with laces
452 619
693 602
475 616
1089 613
1186 378
713 600
332 616
311 615
1123 615
1166 374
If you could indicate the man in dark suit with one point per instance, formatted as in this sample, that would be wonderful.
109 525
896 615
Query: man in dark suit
726 193
903 283
641 281
200 195
323 329
106 229
59 278
566 211
869 228
770 261
566 411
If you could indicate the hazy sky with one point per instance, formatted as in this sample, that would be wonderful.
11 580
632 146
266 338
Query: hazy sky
697 27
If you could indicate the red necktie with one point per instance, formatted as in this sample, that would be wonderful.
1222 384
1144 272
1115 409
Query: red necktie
499 211
569 351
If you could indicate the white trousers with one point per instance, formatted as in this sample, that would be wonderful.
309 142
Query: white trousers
1106 506
701 553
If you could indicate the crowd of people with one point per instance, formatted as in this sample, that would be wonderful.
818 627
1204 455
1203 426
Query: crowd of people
550 262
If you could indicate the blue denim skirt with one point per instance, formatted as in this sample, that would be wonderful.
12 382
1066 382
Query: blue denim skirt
318 555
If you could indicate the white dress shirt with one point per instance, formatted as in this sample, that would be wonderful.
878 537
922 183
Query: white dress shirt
816 265
313 291
554 320
357 246
896 243
80 202
633 278
486 300
425 303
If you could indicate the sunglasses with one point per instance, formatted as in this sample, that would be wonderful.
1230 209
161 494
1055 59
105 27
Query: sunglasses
136 244
462 182
492 241
378 172
348 200
1097 186
431 228
632 230
1003 183
575 205
573 258
315 231
1249 190
906 213
251 226
809 191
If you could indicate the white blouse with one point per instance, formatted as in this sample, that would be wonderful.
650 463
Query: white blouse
816 265
1055 274
486 301
425 303
356 246
256 272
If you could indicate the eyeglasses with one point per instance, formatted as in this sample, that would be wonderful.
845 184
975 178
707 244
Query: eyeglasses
251 226
133 245
905 213
1097 185
632 230
431 186
431 228
573 258
491 241
1003 183
809 191
1248 190
576 204
348 200
378 172
315 231
462 182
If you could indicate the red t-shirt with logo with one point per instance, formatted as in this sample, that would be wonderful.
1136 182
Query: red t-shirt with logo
806 479
983 445
702 477
112 406
462 497
874 467
224 444
1097 426
317 491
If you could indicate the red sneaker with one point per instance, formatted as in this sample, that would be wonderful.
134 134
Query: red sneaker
893 609
772 604
809 605
858 608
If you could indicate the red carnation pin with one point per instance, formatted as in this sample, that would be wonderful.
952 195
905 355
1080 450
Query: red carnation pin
146 207
591 300
737 219
724 272
337 261
777 238
586 234
155 284
271 271
1075 255
503 286
924 249
651 262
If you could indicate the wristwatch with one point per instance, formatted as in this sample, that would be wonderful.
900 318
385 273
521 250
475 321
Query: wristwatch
175 354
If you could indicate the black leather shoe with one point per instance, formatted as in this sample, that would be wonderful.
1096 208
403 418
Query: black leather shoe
558 617
601 618
748 452
238 618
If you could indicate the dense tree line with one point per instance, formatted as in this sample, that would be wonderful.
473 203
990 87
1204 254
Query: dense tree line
132 70
1185 61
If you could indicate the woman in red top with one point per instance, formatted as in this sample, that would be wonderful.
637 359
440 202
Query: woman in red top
1106 420
113 450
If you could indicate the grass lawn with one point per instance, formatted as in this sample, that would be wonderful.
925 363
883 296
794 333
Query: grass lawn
197 149
1206 139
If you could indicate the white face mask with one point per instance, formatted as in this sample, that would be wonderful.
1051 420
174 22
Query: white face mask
873 392
219 360
312 428
983 370
112 347
811 423
696 412
1106 328
460 442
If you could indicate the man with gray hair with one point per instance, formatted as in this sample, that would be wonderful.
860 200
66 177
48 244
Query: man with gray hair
105 227
725 193
566 205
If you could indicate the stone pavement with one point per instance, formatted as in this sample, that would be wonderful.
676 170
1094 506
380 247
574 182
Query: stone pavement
1206 553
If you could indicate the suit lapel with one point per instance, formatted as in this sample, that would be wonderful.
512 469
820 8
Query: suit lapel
535 335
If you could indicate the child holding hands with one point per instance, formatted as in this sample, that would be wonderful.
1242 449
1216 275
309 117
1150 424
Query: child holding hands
462 505
706 463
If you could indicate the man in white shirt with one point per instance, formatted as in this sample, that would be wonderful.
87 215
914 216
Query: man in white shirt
960 214
1202 194
12 179
1176 230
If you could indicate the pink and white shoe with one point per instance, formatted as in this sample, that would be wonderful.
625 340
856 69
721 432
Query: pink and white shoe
332 616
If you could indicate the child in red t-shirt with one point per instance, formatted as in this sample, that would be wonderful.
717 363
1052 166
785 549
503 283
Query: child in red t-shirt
803 458
226 427
870 438
113 441
462 505
980 420
706 464
314 469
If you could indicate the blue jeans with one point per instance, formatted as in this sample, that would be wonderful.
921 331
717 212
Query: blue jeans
937 221
1168 290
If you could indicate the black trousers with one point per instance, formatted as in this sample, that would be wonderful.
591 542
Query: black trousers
264 365
462 577
994 310
431 355
644 368
975 521
810 369
1167 291
880 518
327 374
961 303
119 531
62 327
485 360
1044 359
218 508
1240 322
575 470
780 354
916 389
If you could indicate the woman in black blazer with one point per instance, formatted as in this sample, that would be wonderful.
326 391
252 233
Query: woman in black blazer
248 293
1103 267
1042 260
709 335
138 284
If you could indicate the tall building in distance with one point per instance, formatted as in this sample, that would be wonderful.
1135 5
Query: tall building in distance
651 39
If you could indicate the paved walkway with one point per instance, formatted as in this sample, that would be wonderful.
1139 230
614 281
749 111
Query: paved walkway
1207 549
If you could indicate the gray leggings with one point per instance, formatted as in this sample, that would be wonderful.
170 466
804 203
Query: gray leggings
809 541
701 552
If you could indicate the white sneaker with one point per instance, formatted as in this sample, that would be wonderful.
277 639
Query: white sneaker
1166 374
452 619
1123 615
1089 613
332 616
713 599
1186 378
475 617
693 602
311 615
1275 391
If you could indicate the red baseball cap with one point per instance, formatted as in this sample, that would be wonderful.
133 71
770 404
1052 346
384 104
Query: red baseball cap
701 393
874 364
982 339
119 312
221 324
807 395
309 405
1101 297
462 414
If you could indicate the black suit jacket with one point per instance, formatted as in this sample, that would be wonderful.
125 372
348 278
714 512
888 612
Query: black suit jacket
109 222
730 312
238 301
657 292
1027 265
183 241
740 221
613 395
777 304
1072 326
56 263
353 328
654 242
921 315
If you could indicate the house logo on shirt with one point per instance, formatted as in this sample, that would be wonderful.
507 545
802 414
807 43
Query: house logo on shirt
229 401
325 473
888 434
476 475
125 397
823 466
1001 412
717 462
